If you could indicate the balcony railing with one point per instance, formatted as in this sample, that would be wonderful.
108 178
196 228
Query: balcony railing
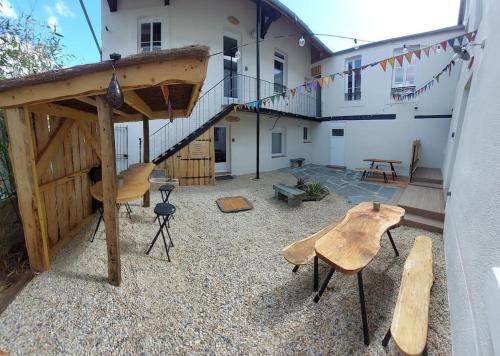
233 89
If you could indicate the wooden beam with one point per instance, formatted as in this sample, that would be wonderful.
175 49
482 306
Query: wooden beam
145 134
185 71
155 115
108 165
22 156
96 146
68 178
90 101
194 98
46 155
135 101
63 111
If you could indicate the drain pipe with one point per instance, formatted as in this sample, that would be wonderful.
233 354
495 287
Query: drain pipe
257 43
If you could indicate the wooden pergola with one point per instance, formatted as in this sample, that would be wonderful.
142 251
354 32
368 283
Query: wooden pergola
60 126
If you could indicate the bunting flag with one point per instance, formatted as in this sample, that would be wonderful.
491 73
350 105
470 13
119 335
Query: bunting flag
409 56
328 79
383 64
400 59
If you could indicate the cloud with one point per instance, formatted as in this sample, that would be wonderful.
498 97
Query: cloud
63 10
52 19
6 9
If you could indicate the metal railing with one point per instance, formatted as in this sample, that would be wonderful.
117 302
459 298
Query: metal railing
233 89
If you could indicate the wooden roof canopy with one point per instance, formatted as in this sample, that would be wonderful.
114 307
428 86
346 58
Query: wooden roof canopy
149 82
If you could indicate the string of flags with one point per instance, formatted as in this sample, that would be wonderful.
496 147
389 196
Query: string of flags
325 81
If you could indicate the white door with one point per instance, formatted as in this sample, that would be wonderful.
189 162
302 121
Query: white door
222 147
337 145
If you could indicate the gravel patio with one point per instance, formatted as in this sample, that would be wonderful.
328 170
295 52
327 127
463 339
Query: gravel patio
226 291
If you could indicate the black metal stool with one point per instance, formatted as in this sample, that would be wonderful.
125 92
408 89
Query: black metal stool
165 191
165 211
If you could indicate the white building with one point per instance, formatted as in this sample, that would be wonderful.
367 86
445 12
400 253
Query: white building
286 64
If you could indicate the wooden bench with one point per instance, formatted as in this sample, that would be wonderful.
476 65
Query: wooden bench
291 194
370 171
411 314
297 162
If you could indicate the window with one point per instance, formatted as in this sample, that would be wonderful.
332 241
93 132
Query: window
150 35
305 134
404 76
338 132
278 142
230 67
279 72
353 79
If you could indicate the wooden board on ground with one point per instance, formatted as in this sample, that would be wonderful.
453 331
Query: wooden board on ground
411 315
302 252
234 204
356 240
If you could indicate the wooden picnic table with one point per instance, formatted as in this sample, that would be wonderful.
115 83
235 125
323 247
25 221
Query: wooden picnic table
376 161
354 242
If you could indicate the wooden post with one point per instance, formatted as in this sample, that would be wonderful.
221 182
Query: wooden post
22 156
145 134
108 161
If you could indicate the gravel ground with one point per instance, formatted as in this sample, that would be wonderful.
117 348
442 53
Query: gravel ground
226 291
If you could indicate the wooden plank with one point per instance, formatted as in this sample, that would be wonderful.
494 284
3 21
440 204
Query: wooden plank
54 145
63 241
75 147
63 180
182 71
86 201
109 190
60 190
135 101
63 111
41 127
124 115
70 185
410 321
356 240
22 155
302 252
145 135
85 129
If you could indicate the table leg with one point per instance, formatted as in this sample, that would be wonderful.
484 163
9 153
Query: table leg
316 274
387 337
323 286
366 336
98 224
393 170
392 243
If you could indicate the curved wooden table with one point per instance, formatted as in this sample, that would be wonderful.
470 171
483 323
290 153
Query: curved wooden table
353 244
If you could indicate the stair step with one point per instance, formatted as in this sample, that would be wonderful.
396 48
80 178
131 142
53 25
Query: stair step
421 222
427 184
429 214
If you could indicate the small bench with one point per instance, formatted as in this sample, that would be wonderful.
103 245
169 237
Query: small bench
410 321
297 162
371 171
291 194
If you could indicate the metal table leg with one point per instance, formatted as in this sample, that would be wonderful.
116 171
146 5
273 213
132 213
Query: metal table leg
323 286
392 243
366 336
101 218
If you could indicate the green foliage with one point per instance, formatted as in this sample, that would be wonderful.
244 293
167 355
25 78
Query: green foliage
316 189
6 178
28 47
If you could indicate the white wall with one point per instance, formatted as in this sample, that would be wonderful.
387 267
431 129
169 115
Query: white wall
391 138
202 22
472 231
243 149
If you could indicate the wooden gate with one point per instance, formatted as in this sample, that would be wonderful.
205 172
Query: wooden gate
194 163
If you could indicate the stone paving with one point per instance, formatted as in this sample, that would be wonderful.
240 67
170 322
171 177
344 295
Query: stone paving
345 183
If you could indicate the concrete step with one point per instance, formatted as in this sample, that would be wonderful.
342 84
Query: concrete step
421 222
427 184
429 214
427 175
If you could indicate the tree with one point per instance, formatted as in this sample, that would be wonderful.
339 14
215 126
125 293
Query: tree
26 47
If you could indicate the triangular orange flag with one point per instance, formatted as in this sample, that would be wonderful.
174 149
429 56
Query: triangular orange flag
383 64
408 56
418 52
391 61
326 81
400 60
427 50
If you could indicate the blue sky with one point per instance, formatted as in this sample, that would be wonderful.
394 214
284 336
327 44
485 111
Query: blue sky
364 19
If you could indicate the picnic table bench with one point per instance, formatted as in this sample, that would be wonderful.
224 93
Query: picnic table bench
297 162
371 171
291 194
411 315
